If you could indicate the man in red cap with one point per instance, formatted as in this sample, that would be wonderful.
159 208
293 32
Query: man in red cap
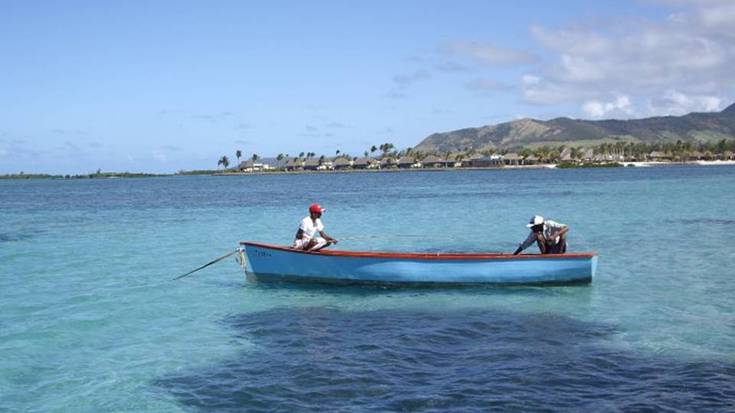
306 237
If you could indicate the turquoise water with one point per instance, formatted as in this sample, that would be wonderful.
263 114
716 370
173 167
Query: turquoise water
90 321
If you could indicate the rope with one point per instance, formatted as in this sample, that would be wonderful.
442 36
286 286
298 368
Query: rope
379 237
207 264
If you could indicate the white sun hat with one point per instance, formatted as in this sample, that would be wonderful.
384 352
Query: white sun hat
536 220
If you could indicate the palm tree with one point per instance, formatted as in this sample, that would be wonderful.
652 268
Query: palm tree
336 152
541 154
301 154
721 146
238 154
279 157
460 158
255 157
372 149
366 153
224 162
386 147
576 152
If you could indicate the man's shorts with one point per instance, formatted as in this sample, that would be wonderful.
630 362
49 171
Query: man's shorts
301 244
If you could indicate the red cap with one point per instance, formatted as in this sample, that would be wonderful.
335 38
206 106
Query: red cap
316 209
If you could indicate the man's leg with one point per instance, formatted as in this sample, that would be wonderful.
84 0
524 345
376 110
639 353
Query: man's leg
562 244
319 243
543 247
559 248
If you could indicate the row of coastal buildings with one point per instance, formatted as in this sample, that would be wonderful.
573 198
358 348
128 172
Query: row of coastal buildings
459 160
385 162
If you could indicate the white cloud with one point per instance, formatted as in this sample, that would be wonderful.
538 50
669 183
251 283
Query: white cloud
677 103
681 64
530 80
539 90
598 109
716 16
580 69
719 17
489 54
573 41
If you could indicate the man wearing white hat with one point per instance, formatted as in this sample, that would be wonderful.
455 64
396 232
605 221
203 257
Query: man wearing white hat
550 236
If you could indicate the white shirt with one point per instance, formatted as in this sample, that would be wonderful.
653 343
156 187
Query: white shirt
551 232
310 228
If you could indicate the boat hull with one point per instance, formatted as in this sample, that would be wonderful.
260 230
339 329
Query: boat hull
263 262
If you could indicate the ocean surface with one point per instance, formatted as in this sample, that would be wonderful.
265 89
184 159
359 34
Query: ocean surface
90 320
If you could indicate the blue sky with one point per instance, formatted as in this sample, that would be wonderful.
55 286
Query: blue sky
169 85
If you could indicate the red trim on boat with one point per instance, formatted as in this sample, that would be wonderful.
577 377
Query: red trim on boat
422 255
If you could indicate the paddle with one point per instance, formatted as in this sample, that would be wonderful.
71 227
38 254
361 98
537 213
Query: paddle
206 265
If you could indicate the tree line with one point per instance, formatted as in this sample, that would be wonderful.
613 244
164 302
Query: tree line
680 150
385 149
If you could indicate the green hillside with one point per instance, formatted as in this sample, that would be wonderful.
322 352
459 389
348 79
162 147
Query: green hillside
693 127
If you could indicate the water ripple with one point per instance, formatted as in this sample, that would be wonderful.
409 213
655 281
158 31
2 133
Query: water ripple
705 221
11 237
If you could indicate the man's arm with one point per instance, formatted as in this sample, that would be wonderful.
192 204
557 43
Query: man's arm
526 243
559 234
564 231
327 237
299 234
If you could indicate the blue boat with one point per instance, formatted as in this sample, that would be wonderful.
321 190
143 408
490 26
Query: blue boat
264 262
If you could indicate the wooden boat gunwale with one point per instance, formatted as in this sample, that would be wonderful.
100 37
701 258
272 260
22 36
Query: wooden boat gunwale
423 255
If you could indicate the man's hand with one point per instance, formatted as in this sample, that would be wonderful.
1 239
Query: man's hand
556 239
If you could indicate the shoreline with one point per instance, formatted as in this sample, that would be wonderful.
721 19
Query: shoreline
390 170
643 164
111 175
647 164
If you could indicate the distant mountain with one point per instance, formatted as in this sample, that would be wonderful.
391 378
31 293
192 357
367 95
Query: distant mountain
701 127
